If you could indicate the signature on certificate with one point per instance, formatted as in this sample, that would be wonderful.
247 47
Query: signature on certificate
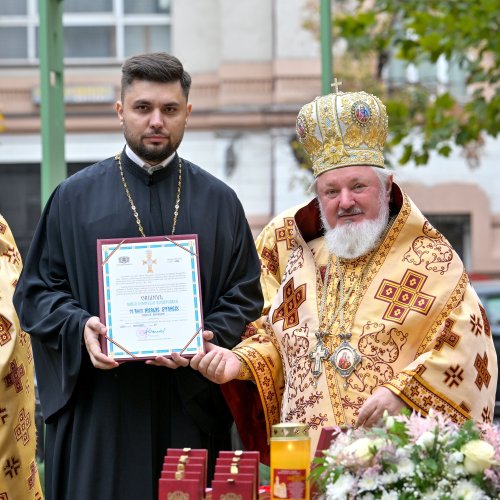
150 333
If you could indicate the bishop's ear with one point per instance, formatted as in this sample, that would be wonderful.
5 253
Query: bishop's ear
388 188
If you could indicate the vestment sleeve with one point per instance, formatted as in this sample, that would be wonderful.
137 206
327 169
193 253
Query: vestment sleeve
456 373
48 310
255 404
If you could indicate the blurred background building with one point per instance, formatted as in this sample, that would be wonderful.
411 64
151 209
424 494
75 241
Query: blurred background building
254 64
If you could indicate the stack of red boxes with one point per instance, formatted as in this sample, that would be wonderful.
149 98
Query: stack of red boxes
236 473
184 475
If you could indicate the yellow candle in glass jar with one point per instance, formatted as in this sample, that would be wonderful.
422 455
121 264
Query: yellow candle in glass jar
290 461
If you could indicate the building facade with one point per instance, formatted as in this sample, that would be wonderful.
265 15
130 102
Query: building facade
253 64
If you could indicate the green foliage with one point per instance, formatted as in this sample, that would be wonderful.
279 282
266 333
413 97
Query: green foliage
466 33
300 154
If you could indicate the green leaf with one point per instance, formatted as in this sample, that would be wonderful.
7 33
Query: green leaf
444 150
407 152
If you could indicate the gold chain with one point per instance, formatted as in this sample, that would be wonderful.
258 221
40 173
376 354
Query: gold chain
355 287
131 201
323 298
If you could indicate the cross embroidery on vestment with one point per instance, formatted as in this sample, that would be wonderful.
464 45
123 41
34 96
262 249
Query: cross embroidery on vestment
285 233
289 308
405 296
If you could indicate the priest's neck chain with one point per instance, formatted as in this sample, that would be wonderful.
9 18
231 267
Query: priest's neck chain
132 204
345 358
343 298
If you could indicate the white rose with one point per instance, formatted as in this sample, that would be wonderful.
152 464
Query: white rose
479 455
363 449
426 440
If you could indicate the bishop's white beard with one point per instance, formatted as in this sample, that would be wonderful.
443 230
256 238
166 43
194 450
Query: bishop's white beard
354 239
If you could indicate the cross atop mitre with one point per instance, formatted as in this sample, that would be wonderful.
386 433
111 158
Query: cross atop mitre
335 86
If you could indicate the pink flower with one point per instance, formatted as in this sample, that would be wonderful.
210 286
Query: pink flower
417 425
491 434
494 476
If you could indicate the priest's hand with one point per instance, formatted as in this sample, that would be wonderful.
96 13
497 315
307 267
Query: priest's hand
373 408
218 364
91 332
174 361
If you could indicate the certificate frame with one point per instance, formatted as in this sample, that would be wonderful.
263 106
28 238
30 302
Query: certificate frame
150 297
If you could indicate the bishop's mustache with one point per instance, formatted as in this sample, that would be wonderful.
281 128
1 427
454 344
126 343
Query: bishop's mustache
351 211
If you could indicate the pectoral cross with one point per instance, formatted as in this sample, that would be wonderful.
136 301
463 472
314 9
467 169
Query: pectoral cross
318 355
335 84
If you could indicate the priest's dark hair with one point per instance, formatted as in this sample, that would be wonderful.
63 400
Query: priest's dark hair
154 67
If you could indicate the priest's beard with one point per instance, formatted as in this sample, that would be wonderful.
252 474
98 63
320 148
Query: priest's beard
354 239
149 152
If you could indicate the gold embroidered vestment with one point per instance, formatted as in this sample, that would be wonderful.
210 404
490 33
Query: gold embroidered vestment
18 470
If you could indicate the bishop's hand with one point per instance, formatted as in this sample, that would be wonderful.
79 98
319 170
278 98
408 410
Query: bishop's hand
91 332
373 408
217 364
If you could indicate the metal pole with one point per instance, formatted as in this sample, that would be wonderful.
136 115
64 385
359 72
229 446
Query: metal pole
53 168
326 45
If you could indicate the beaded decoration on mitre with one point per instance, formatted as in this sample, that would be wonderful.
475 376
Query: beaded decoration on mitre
343 129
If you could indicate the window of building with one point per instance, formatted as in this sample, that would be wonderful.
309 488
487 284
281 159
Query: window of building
89 41
13 42
94 31
436 77
456 229
146 6
20 204
13 7
88 6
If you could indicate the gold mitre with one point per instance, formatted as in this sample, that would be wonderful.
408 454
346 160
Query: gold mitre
343 129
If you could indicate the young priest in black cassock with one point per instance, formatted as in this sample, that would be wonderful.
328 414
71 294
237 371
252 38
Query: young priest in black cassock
107 430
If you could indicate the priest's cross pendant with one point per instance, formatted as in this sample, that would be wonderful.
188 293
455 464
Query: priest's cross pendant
318 355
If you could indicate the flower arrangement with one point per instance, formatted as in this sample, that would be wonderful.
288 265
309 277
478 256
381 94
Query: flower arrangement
412 457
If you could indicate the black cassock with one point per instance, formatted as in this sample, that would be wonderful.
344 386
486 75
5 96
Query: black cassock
107 430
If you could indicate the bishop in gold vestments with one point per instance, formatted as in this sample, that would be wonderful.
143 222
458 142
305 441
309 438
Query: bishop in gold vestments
18 470
353 329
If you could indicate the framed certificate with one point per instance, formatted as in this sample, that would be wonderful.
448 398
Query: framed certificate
150 296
